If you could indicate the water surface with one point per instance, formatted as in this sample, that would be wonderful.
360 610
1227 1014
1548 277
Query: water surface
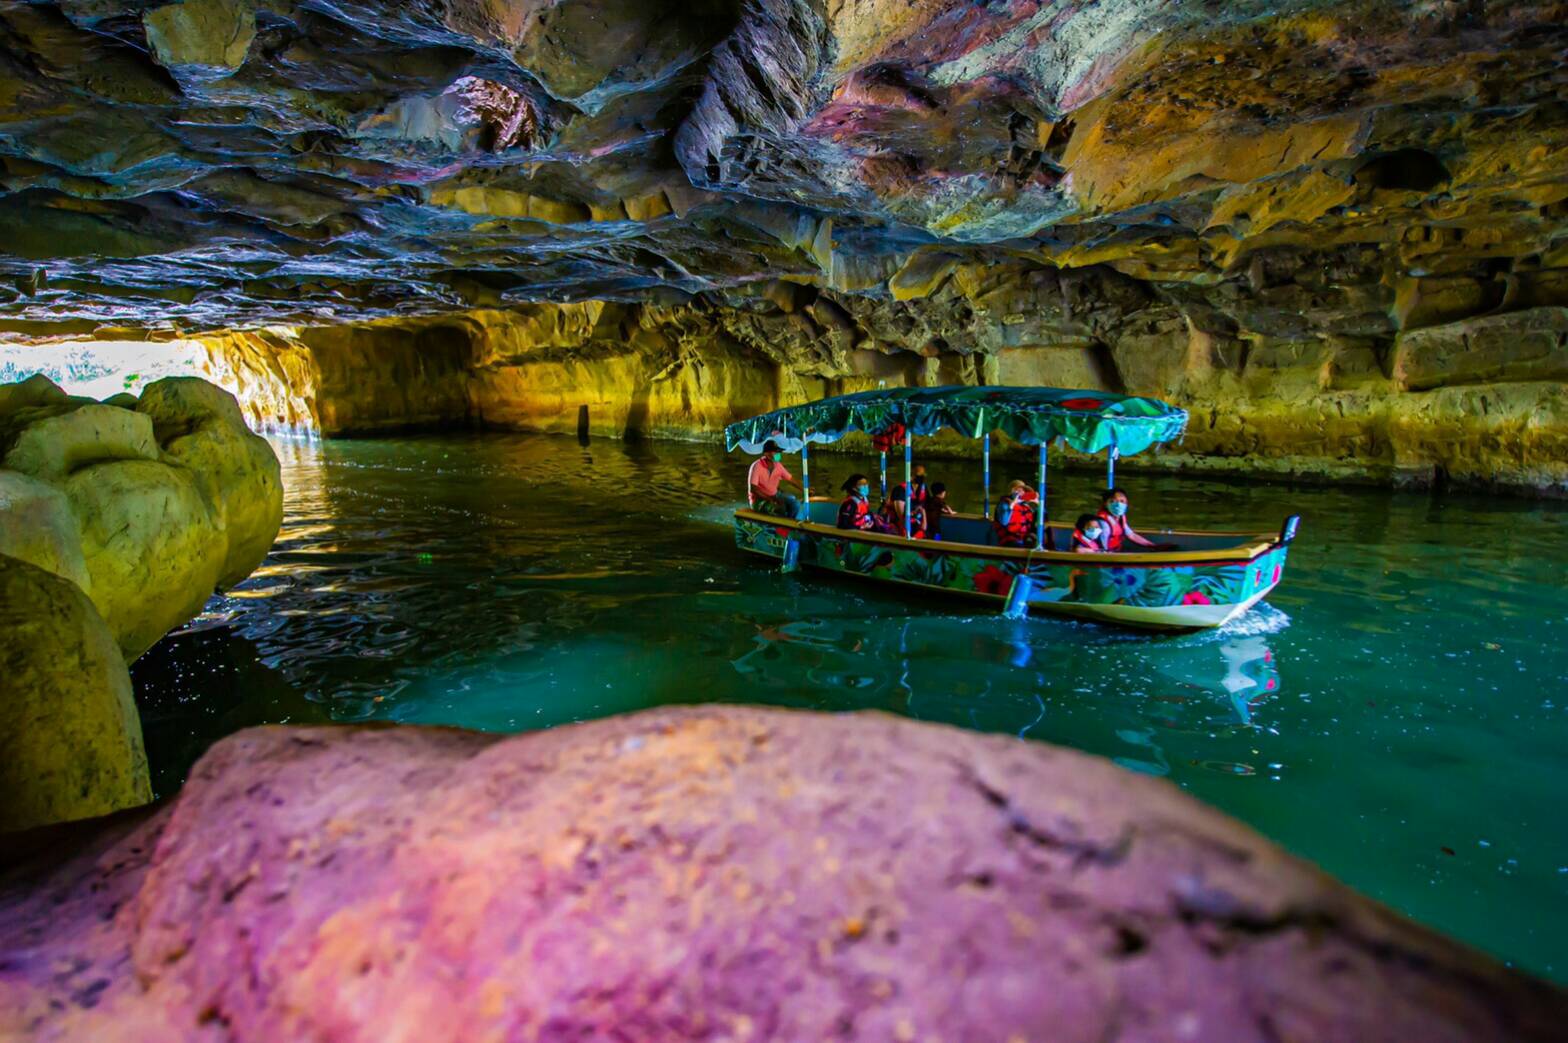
1397 712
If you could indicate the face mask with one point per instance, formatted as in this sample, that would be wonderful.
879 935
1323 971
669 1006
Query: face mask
777 457
1117 508
863 489
1093 534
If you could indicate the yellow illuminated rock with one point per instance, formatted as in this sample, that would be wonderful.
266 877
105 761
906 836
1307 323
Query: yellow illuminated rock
148 509
70 740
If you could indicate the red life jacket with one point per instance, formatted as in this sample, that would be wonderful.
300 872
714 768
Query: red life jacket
1114 528
861 519
889 437
895 522
1080 540
1020 526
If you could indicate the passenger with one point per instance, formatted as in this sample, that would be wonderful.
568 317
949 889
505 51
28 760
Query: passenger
763 481
855 512
1118 531
1015 521
894 509
918 481
1088 535
937 509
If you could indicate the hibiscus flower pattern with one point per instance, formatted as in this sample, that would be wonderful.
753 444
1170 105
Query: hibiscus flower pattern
992 580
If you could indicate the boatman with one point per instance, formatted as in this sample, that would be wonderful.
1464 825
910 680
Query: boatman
763 481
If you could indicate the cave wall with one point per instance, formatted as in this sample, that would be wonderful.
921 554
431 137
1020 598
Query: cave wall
1379 384
1332 228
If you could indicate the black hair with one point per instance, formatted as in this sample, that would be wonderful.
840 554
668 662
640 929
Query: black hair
938 488
770 446
854 480
1085 519
1106 498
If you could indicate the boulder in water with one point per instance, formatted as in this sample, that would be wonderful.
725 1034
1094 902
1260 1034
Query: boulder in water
70 740
146 509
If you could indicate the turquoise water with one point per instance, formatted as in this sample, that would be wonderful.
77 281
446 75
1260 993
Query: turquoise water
1397 712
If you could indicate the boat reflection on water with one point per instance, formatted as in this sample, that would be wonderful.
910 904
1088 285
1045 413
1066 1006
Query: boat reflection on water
1025 678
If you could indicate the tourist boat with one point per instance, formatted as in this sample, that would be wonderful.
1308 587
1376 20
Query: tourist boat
1209 578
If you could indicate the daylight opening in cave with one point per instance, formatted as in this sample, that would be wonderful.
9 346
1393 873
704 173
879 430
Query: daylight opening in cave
101 369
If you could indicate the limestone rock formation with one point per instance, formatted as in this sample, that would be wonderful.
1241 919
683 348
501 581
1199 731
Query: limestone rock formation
70 740
1478 402
1264 196
147 509
713 873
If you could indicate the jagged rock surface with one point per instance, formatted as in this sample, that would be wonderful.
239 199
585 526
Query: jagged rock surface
712 873
1478 402
1264 196
70 740
238 160
147 505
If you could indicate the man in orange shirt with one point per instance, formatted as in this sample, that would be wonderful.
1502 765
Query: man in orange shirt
763 481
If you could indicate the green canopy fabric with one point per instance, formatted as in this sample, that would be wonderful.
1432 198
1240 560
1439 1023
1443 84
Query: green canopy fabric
1089 421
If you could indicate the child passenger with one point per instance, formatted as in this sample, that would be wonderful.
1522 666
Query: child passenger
1089 535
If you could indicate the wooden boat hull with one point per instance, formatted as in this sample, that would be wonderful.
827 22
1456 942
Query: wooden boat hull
1183 590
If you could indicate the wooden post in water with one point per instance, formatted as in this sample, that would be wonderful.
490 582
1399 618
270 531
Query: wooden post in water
582 424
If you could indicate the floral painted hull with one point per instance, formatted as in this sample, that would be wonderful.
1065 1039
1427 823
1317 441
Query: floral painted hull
1180 595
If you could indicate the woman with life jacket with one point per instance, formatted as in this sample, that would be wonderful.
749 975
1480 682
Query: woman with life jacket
1015 515
1087 535
1118 531
855 512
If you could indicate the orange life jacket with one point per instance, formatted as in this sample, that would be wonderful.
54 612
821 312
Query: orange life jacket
1020 526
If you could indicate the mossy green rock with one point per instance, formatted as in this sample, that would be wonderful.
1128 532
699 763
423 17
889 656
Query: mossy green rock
70 740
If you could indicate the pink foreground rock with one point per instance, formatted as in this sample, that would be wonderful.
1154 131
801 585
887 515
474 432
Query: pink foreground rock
715 874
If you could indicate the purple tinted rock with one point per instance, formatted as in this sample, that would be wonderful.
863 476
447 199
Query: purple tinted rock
712 873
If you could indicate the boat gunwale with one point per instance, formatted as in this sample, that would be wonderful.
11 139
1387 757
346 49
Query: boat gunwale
1240 555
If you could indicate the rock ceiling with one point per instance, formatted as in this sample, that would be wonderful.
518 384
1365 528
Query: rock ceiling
226 162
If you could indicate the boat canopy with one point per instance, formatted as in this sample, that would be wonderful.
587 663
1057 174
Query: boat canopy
1089 421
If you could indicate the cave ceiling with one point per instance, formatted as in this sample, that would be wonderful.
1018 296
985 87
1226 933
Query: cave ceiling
220 163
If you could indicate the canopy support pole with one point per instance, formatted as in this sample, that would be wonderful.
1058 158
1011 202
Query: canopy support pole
985 471
909 483
805 479
1110 467
1039 511
883 456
